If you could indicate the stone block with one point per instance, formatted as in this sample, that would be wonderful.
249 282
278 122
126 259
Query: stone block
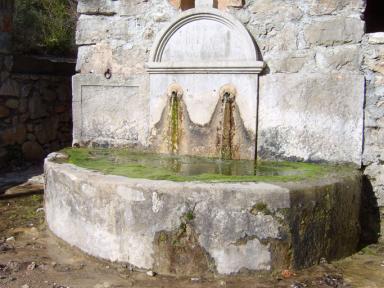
23 105
94 29
6 23
46 131
8 62
32 151
281 40
25 89
339 57
378 80
376 38
23 118
311 116
5 42
175 3
31 137
60 108
3 154
4 75
223 4
288 62
275 11
4 112
16 134
243 15
10 88
124 59
375 173
373 145
327 7
106 7
374 58
94 58
202 3
374 107
36 106
12 103
339 30
100 116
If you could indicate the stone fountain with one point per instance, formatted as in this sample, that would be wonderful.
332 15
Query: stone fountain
203 100
210 63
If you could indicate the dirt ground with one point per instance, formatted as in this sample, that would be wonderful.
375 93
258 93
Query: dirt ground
31 257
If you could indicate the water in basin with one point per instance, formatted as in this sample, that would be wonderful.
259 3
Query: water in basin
136 164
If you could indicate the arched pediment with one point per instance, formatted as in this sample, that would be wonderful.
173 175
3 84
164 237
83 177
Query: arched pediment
205 39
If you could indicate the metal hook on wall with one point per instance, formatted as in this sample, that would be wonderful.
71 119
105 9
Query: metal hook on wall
108 74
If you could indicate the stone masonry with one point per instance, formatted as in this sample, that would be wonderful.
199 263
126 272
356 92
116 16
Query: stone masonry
35 116
35 101
322 70
373 157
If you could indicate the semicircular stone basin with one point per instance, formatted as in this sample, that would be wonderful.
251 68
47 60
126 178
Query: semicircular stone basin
193 216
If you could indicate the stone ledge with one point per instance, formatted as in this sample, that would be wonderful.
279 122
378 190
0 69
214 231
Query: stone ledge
249 67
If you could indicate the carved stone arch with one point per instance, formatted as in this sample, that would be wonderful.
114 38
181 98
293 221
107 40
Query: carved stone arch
208 38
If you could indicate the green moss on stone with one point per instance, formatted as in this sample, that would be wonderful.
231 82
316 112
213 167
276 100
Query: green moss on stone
189 216
136 164
260 207
174 124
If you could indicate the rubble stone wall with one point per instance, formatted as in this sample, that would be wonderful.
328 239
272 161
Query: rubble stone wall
35 110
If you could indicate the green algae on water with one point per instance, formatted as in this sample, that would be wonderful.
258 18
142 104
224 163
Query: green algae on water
153 166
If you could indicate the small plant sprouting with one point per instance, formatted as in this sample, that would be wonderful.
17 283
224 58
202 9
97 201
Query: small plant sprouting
260 207
189 216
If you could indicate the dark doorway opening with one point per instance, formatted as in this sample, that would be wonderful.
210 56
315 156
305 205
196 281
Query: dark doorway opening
374 16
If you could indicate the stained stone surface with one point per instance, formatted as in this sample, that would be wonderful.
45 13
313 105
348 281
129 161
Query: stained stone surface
373 65
333 32
202 52
319 38
299 120
181 227
105 105
286 47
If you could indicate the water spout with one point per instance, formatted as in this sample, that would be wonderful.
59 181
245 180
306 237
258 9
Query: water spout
227 94
174 129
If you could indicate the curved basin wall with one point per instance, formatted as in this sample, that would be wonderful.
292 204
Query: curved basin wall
191 228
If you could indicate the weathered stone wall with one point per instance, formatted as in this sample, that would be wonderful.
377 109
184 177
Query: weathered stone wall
117 36
35 109
312 92
311 96
373 156
321 71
